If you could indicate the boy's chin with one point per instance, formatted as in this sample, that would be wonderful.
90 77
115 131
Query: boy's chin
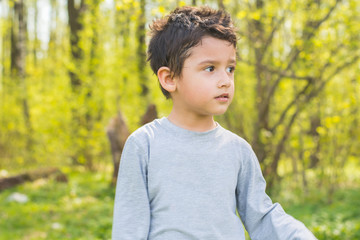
221 112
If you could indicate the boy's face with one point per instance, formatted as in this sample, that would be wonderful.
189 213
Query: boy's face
206 84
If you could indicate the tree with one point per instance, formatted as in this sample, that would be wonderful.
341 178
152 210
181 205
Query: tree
141 49
53 23
84 52
18 62
36 40
284 45
75 15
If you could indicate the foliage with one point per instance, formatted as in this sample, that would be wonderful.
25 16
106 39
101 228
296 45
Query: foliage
294 52
297 101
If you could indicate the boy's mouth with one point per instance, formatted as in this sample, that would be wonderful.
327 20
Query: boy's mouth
223 97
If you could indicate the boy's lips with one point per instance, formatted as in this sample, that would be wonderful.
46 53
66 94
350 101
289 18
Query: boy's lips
223 97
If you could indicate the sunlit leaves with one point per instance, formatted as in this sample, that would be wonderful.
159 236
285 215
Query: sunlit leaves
255 15
241 14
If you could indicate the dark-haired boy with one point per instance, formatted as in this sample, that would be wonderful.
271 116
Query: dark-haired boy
183 177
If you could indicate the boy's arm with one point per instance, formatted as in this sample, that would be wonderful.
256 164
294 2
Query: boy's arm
262 218
131 209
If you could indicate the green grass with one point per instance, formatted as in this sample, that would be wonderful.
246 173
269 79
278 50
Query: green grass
79 209
82 209
338 220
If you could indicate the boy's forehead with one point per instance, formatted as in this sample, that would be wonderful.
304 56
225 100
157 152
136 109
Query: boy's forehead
211 39
213 48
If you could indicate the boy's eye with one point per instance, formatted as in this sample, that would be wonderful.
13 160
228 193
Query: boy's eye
210 69
230 69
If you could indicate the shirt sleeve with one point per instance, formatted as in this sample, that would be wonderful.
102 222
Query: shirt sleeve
131 218
263 219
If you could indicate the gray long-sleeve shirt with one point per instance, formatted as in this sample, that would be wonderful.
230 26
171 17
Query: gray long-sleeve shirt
176 184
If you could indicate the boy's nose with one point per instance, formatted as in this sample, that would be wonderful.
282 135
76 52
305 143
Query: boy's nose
225 80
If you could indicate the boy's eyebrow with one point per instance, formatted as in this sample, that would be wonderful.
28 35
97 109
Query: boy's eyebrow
215 61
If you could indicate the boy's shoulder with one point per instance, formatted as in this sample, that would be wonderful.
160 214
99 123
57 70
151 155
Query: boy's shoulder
142 137
239 142
146 131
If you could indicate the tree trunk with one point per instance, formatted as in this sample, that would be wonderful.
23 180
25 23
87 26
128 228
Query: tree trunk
52 28
75 23
124 28
18 39
141 50
18 63
36 41
261 124
93 66
79 119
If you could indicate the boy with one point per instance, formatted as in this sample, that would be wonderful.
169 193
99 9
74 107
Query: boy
183 177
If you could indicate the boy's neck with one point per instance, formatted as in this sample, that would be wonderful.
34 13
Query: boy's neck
192 123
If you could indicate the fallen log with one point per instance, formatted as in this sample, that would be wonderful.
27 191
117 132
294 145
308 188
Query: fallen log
9 182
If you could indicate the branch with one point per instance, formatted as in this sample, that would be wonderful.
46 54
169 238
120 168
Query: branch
315 91
290 105
271 36
338 70
280 145
284 75
333 74
295 51
315 25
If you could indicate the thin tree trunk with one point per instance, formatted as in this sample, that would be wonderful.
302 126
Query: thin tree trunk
304 178
302 159
261 123
93 66
52 27
76 26
141 50
75 15
18 62
36 41
3 36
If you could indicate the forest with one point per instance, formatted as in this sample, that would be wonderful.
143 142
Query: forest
75 82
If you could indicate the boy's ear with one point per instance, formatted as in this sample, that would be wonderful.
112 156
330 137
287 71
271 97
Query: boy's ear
166 79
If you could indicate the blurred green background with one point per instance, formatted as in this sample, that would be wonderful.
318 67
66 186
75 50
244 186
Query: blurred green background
68 67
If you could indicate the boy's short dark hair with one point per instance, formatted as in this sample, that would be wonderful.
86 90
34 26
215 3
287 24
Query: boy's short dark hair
173 36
